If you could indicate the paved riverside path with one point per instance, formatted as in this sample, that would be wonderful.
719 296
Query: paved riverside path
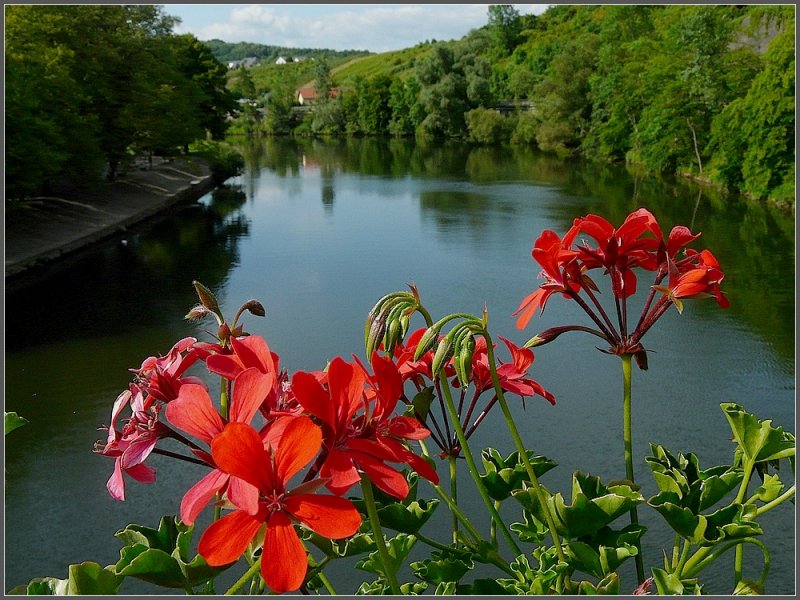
40 229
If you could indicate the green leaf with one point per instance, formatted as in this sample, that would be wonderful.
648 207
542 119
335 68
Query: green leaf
151 565
503 475
531 531
398 548
607 586
13 420
442 567
729 522
593 505
91 578
758 439
770 489
421 404
407 519
667 583
161 556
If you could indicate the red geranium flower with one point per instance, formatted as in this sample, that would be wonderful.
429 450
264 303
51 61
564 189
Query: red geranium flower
253 352
239 450
359 433
131 446
194 413
161 376
560 270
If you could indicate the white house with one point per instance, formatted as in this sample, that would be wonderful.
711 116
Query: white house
281 61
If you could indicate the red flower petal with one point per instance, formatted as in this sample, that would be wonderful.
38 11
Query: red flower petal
226 540
346 385
224 364
254 352
250 388
407 428
299 444
238 450
313 397
389 384
329 516
198 496
243 495
193 412
340 471
284 562
385 478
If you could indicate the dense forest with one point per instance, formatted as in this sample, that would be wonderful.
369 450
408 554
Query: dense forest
702 91
88 87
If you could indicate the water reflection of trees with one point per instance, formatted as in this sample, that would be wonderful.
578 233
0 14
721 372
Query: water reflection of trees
754 243
142 279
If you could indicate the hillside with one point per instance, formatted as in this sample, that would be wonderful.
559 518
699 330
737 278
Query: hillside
226 52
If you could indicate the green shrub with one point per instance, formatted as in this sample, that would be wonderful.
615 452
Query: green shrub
223 159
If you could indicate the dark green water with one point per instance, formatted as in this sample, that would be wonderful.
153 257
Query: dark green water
318 231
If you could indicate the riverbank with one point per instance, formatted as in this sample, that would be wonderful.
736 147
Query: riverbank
42 229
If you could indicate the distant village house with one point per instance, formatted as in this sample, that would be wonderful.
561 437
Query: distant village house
308 94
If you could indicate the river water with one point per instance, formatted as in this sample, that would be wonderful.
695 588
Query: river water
318 231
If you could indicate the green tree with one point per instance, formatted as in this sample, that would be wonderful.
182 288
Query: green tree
753 136
505 27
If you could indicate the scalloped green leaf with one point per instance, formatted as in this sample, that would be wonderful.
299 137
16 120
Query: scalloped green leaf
593 505
503 475
531 531
442 567
151 565
398 548
407 519
758 439
770 488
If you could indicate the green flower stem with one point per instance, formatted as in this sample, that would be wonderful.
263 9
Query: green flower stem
738 561
380 542
451 504
627 433
708 554
327 583
473 469
454 493
493 526
675 553
425 315
523 452
223 398
779 500
253 570
687 546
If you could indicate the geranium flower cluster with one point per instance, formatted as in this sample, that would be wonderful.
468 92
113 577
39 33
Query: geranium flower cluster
335 424
473 407
637 244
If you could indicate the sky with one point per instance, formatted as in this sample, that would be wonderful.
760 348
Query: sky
372 27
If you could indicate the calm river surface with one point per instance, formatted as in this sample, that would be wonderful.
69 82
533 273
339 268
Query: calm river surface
318 231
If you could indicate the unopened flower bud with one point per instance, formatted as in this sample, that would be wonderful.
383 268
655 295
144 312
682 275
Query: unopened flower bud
197 313
207 298
254 307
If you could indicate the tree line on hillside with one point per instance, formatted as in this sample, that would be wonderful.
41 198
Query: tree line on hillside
89 86
227 52
705 91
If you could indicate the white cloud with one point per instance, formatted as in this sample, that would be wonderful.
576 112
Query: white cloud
375 27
